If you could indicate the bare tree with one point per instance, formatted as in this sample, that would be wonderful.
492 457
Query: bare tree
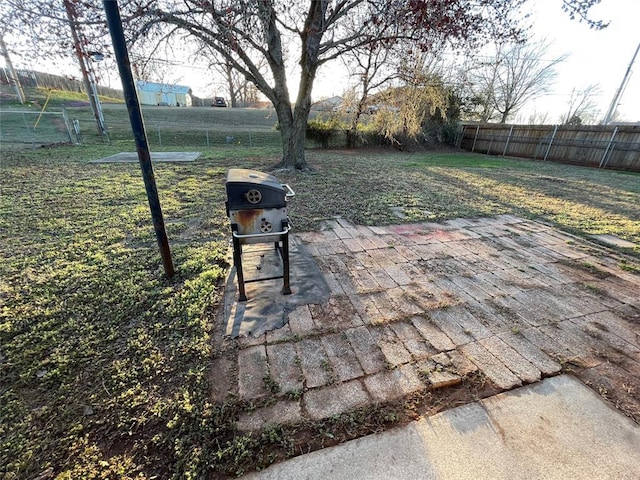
582 106
516 74
54 29
311 34
242 92
372 66
283 33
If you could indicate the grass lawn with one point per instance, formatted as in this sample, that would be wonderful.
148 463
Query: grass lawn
104 364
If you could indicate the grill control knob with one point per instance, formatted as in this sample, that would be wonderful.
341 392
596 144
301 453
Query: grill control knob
254 196
265 227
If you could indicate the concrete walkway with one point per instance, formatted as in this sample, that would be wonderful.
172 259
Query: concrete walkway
413 308
555 429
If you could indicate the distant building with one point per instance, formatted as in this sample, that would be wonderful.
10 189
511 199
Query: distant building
327 105
150 93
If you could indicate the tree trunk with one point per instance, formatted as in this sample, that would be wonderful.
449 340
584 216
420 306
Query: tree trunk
293 129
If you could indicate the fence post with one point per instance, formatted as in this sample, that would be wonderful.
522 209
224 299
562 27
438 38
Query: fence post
475 138
506 145
67 124
606 151
553 135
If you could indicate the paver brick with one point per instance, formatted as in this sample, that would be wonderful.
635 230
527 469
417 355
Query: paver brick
366 242
443 379
398 274
365 281
610 322
314 362
366 349
382 277
353 245
344 311
333 284
284 366
495 319
378 242
385 305
577 344
300 320
533 354
458 319
326 402
280 413
389 385
342 357
365 259
432 334
603 343
493 368
367 309
412 340
512 359
394 351
461 364
549 302
252 368
403 298
549 345
324 318
583 302
452 289
519 314
340 232
394 255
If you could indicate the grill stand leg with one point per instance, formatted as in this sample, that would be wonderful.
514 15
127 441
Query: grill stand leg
237 262
286 289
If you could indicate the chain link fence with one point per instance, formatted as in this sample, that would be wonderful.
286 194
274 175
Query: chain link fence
23 128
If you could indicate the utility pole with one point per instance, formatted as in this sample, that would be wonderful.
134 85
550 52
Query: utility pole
616 98
14 80
114 22
89 84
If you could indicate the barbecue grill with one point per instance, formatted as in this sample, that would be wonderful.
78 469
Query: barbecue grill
257 208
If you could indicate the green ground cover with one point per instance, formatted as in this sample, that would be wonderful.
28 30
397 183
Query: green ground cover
104 364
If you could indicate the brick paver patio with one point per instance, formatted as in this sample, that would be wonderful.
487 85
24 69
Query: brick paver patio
416 307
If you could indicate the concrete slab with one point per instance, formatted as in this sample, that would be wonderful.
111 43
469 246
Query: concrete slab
614 241
555 429
132 157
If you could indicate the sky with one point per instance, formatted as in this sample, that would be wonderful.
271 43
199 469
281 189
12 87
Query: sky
594 57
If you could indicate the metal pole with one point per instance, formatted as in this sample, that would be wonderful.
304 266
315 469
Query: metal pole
506 145
13 78
475 138
137 126
616 98
71 16
604 157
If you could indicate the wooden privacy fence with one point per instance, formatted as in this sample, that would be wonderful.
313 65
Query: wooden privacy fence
604 146
31 78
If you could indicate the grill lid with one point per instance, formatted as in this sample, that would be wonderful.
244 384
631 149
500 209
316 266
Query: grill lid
249 189
253 177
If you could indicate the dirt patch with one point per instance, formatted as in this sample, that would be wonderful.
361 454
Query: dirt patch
616 384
